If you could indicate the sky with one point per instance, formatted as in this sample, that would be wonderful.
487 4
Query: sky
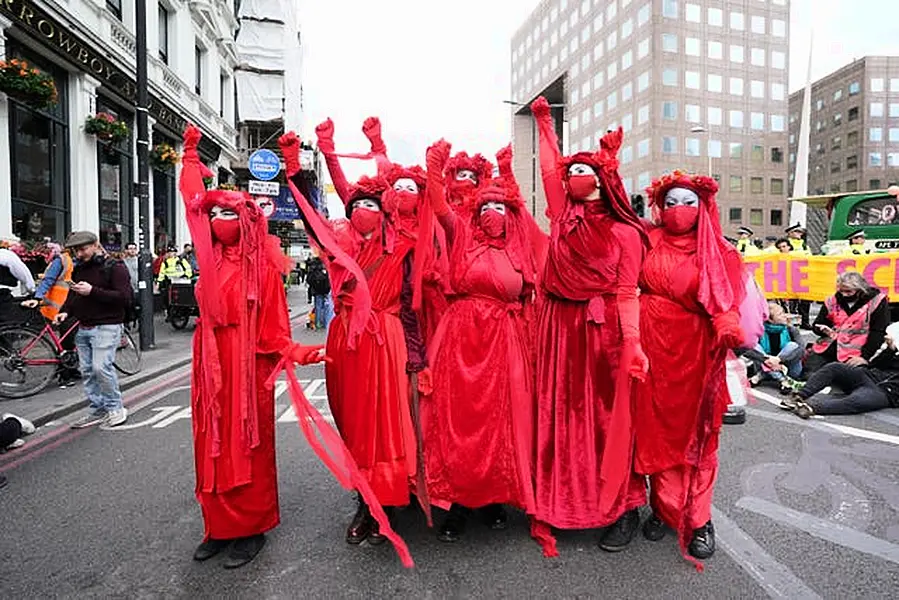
438 68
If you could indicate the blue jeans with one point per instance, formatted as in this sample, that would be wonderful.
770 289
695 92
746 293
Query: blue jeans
324 311
794 367
96 355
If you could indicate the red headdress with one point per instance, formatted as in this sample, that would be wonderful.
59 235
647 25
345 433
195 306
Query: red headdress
461 161
371 188
721 274
415 173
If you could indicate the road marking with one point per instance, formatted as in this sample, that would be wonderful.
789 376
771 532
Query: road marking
161 413
184 413
824 529
891 419
774 577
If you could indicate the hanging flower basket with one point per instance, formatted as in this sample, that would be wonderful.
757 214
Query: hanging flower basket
208 181
23 82
228 187
107 128
163 157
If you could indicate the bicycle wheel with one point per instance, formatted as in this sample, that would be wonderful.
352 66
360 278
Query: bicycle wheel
28 362
127 355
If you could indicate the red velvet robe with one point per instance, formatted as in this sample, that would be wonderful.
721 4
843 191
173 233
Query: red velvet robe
235 504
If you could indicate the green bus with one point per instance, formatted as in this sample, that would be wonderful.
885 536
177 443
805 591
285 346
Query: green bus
876 212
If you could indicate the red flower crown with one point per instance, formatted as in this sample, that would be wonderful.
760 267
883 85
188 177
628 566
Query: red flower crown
703 185
368 187
479 165
415 173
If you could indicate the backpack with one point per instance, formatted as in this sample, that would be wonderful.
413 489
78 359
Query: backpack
7 278
319 283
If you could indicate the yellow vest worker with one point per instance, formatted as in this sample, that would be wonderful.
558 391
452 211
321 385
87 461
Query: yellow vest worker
744 244
856 244
174 267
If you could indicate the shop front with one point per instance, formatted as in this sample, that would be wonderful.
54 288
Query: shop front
115 176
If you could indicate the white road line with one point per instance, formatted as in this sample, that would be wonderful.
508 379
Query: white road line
775 578
824 529
891 419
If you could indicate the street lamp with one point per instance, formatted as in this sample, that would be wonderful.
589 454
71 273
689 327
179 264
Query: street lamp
701 129
145 258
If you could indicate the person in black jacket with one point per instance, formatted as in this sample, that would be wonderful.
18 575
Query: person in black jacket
868 387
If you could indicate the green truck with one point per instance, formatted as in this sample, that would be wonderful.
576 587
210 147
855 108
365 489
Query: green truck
838 215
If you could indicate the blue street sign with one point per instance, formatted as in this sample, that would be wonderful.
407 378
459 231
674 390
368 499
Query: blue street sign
264 165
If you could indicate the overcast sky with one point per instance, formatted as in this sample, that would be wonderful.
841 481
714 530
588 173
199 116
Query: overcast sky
438 68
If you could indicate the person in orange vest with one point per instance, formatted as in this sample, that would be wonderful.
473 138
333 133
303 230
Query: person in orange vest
852 324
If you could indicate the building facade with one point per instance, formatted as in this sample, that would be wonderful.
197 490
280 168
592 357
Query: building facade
697 85
854 133
55 177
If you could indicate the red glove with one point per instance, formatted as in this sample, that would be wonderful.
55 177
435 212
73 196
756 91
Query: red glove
290 150
372 130
639 364
728 333
504 160
425 383
192 136
325 134
307 355
540 108
437 156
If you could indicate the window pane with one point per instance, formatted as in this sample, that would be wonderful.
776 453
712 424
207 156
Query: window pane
875 159
669 42
736 54
669 145
669 8
876 84
736 150
735 215
715 148
736 183
875 134
758 121
877 109
756 217
777 91
669 77
758 24
692 113
693 13
736 21
736 86
757 89
692 46
669 110
778 123
715 83
691 147
715 116
778 60
735 118
691 80
778 28
716 50
776 216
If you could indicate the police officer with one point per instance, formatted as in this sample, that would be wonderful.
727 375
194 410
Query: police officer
796 235
744 244
856 244
172 267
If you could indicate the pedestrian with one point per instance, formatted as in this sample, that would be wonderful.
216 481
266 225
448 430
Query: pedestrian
851 324
98 299
131 262
588 343
778 355
14 279
478 424
303 269
320 290
691 288
190 256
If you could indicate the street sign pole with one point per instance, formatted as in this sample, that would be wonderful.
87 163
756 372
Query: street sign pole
145 257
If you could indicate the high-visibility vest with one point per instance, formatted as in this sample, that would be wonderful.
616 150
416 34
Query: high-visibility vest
56 297
747 248
174 268
850 331
855 250
798 244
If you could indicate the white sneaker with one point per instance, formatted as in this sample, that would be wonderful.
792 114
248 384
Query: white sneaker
16 444
27 426
116 417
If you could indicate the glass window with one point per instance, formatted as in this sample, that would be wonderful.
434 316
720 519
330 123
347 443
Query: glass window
669 77
585 35
643 181
715 115
758 24
876 109
669 110
874 184
778 28
736 184
716 17
597 52
757 153
598 108
716 50
627 92
612 40
894 109
643 81
572 21
852 162
575 121
669 8
598 80
115 7
894 134
669 42
756 216
875 159
692 46
643 48
838 95
715 83
778 60
627 154
737 21
876 84
691 80
199 56
777 155
612 101
643 115
777 187
757 121
163 20
585 7
691 147
735 118
643 14
627 28
777 217
836 142
736 86
627 59
894 85
575 95
643 148
778 123
627 123
585 116
611 71
669 145
875 134
736 150
585 62
585 89
854 88
758 57
778 91
852 185
611 11
735 215
715 148
692 113
757 89
693 13
736 54
893 159
852 139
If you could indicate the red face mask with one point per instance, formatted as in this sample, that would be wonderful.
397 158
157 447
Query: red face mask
680 219
581 186
461 188
493 224
227 231
407 202
364 220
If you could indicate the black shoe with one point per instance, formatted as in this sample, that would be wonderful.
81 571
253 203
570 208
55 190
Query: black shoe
3 481
735 415
495 516
791 403
360 526
454 525
376 538
702 545
210 548
619 535
803 411
654 529
244 550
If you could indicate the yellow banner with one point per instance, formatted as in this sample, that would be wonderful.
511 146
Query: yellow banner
814 277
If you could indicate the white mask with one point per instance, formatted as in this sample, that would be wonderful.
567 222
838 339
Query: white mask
466 175
497 206
367 203
405 185
225 214
681 197
581 169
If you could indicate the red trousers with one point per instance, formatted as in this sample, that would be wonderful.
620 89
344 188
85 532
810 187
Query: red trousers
684 492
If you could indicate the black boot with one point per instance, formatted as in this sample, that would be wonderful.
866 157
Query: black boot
702 545
454 525
244 550
735 415
376 538
619 535
360 526
495 516
654 529
210 548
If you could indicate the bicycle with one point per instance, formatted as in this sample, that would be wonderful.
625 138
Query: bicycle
30 359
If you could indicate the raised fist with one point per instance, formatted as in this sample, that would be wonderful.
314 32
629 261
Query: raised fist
504 160
325 134
540 108
372 128
437 156
192 137
290 150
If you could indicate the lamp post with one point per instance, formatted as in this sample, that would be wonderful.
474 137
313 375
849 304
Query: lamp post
145 257
701 129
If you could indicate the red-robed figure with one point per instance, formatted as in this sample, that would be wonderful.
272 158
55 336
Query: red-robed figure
241 338
588 342
691 285
479 421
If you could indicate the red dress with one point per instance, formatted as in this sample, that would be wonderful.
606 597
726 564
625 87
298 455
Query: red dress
593 260
478 422
368 388
235 501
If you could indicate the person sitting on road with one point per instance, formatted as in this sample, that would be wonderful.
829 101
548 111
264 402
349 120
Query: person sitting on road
868 387
12 431
778 355
851 324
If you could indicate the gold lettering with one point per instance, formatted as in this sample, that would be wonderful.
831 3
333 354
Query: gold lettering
96 66
46 28
83 56
26 14
65 42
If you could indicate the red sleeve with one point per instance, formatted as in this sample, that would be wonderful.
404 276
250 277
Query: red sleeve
415 347
626 287
550 158
341 185
272 322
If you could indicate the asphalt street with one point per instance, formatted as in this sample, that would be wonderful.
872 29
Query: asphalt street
802 510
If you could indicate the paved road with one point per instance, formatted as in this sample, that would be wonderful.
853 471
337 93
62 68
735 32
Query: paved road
803 510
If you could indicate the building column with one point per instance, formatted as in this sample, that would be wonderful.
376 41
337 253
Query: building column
5 170
85 201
